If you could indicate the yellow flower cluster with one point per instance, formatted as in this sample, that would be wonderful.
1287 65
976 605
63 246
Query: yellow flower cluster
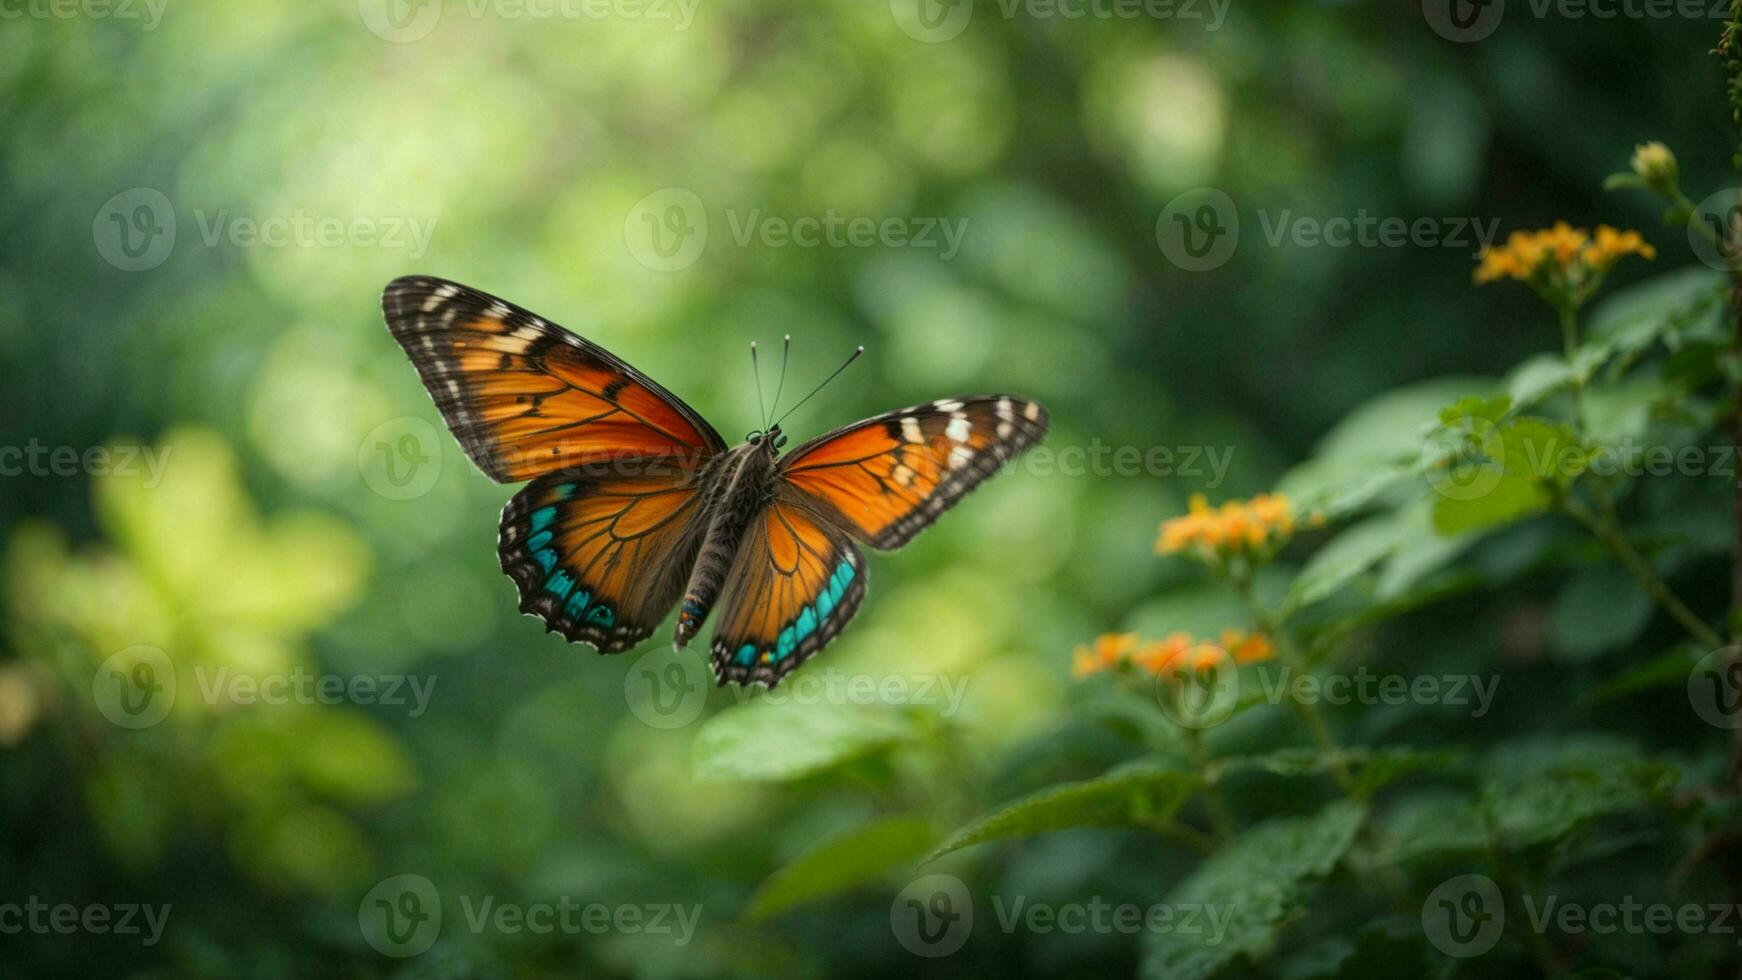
1562 252
1176 652
1254 526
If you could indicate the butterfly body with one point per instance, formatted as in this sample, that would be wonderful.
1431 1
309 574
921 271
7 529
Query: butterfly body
743 484
635 504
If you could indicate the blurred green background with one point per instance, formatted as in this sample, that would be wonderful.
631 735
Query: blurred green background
281 534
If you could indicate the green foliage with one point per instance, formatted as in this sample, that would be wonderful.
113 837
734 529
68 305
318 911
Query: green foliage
1476 494
1259 880
772 742
1138 795
849 860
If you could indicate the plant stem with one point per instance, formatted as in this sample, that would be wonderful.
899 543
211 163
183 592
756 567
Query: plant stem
1323 740
1213 802
1605 526
1569 318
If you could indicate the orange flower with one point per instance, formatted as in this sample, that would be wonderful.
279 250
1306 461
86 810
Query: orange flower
1256 527
1175 653
1247 648
1158 656
1565 265
1108 651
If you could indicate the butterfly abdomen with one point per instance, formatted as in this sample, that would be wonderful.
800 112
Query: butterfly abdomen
746 485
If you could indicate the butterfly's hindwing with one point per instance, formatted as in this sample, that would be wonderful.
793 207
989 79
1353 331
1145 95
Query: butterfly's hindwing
890 476
526 397
795 582
601 557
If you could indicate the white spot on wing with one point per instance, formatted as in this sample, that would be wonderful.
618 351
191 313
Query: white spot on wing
1031 411
441 295
947 405
910 429
958 428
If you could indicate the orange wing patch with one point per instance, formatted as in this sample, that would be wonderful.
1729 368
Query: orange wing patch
602 559
526 397
793 585
890 476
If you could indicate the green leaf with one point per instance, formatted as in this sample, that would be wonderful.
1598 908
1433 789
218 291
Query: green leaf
1141 795
1337 487
1476 407
1509 498
1391 426
842 863
1256 883
1431 827
769 742
1684 301
1373 767
1540 791
1665 670
1354 551
1537 378
1619 413
1542 450
1600 608
1421 551
1387 948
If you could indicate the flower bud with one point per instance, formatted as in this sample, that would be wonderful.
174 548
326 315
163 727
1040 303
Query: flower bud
1655 164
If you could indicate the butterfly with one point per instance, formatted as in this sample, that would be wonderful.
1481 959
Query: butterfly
636 505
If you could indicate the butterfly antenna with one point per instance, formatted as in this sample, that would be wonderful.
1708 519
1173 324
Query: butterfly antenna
843 367
785 349
756 369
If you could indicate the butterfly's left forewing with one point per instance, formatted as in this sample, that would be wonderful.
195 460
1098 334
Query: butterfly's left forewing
526 397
